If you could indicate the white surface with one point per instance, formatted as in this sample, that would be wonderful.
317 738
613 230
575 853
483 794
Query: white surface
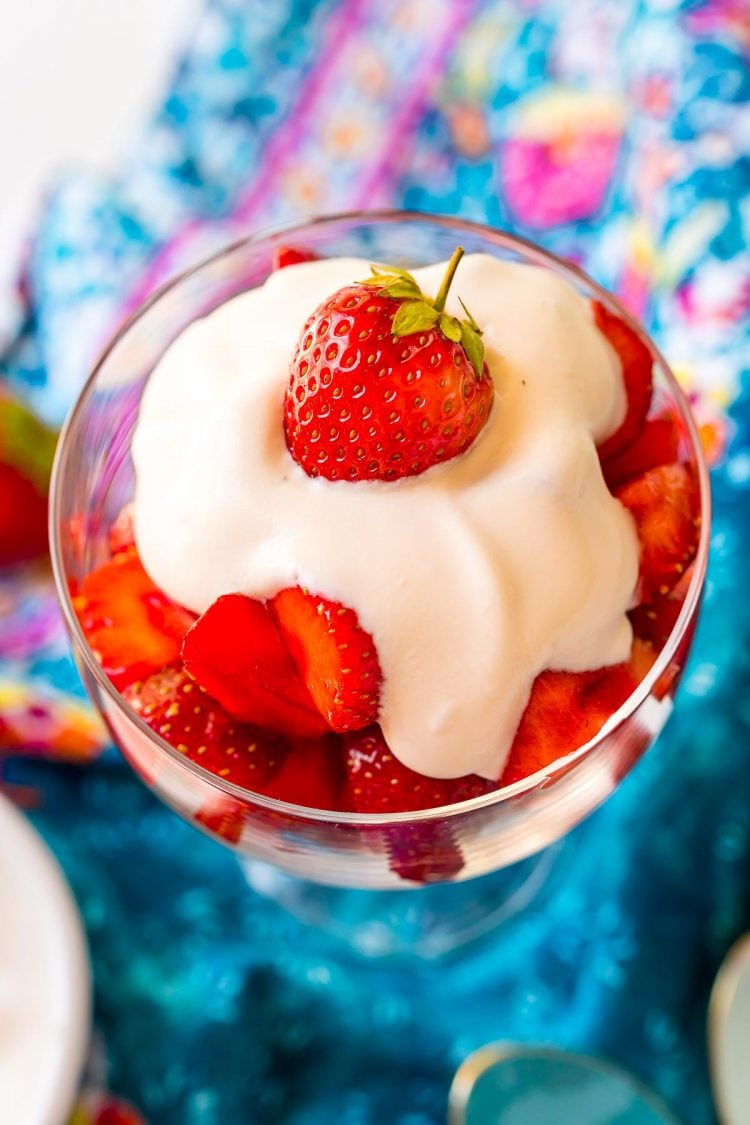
729 1036
44 980
471 578
78 78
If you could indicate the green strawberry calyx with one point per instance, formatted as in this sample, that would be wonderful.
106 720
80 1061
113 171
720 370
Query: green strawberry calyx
417 313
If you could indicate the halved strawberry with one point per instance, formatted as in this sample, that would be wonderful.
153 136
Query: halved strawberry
378 782
186 716
637 366
664 503
655 621
290 256
657 444
335 657
310 775
223 817
235 652
553 724
132 626
566 709
424 853
121 534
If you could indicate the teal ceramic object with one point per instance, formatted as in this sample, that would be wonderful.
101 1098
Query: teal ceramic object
515 1085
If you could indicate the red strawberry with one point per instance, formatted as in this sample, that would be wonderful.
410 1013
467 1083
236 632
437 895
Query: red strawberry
655 621
566 709
133 628
335 657
121 534
310 775
117 1113
27 448
383 383
235 652
664 503
637 366
186 716
378 782
553 724
223 817
290 256
657 444
23 518
424 853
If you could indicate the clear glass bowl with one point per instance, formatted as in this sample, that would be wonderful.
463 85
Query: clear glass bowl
93 479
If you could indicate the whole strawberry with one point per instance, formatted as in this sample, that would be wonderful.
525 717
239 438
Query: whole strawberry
384 383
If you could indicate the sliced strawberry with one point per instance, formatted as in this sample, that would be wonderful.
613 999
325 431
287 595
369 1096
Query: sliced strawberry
610 687
378 782
132 626
235 652
336 658
290 256
566 709
657 444
310 775
23 518
664 503
223 817
121 534
553 724
637 375
655 621
186 716
424 853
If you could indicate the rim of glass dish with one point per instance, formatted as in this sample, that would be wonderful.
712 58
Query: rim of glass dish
506 240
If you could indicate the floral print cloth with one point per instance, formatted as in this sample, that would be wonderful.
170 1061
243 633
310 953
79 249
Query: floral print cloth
616 134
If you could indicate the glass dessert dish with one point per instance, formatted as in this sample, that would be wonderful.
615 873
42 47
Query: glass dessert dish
285 844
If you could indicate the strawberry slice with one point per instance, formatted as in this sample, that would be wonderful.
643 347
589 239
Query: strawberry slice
664 503
132 626
23 518
223 817
655 621
657 444
637 366
424 853
121 534
553 724
335 657
566 709
179 710
378 783
235 652
310 775
290 256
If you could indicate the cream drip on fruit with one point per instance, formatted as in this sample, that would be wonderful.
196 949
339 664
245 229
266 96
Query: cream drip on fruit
472 577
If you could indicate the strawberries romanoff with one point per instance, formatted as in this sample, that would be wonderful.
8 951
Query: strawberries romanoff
282 696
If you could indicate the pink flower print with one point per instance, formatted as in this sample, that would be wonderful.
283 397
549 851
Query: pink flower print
559 165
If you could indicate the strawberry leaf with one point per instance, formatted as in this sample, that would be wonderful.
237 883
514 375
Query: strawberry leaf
471 342
450 326
402 289
414 316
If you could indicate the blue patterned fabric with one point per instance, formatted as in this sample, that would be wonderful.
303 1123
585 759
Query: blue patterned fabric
615 134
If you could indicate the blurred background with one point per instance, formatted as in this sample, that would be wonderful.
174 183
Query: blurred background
134 139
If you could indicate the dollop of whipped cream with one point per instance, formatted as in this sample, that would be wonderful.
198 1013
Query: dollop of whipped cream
472 577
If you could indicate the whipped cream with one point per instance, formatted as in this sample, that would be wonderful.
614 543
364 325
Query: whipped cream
472 577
